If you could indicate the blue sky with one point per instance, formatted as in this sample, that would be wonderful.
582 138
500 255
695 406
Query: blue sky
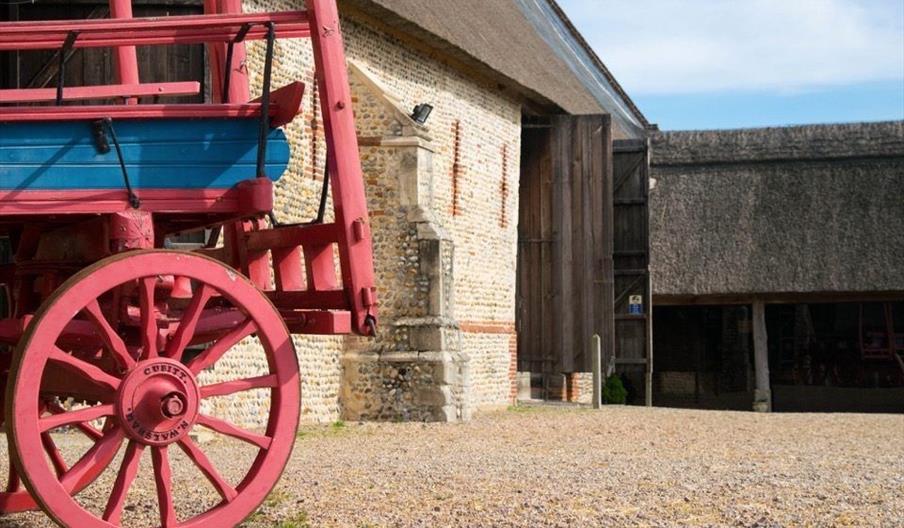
698 64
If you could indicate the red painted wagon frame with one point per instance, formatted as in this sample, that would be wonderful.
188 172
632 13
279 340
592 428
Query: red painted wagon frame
293 265
249 243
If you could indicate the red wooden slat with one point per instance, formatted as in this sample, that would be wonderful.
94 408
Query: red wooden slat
283 237
34 95
318 322
151 111
125 57
207 201
191 29
310 300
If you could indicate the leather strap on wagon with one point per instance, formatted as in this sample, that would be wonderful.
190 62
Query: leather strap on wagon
100 128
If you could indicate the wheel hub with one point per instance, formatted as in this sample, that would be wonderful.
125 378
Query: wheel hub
158 402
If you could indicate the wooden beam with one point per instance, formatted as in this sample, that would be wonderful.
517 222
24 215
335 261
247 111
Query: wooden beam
762 399
109 91
776 298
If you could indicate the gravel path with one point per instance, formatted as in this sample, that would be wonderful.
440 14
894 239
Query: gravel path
554 466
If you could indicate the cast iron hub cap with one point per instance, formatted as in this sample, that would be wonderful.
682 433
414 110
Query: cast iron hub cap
157 402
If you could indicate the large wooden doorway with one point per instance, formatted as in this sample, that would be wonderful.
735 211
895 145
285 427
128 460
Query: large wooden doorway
565 244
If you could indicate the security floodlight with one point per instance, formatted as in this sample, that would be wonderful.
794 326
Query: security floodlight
422 113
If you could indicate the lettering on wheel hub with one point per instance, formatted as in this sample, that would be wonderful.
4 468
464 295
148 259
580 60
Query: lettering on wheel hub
158 402
178 371
170 435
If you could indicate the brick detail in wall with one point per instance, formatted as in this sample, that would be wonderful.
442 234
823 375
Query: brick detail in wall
500 327
456 165
503 188
574 387
315 127
488 327
513 368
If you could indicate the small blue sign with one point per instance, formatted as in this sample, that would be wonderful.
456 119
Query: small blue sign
635 305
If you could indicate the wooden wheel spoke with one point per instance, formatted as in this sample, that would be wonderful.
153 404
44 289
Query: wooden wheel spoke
200 459
214 352
80 416
100 451
226 428
112 340
84 427
127 472
189 322
163 477
149 330
91 372
231 387
59 464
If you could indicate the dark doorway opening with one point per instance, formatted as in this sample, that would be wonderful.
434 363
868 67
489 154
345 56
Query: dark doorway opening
823 357
704 357
837 356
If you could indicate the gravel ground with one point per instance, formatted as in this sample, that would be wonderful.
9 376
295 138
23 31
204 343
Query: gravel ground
556 466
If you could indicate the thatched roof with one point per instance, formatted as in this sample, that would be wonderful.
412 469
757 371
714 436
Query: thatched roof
528 46
778 210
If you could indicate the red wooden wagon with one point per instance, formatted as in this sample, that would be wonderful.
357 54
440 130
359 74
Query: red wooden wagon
109 333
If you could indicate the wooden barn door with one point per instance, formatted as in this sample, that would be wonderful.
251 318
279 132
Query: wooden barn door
633 310
564 288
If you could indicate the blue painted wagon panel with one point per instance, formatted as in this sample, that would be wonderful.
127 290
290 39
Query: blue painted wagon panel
159 154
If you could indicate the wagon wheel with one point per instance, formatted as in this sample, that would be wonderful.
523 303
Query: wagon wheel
146 386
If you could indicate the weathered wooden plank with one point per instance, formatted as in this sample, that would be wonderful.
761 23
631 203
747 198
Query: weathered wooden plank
563 258
601 169
579 148
608 218
631 245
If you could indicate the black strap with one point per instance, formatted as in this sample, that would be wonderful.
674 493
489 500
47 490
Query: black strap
324 194
61 71
133 198
227 75
264 129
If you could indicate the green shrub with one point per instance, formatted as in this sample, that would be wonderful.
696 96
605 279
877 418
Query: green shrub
614 390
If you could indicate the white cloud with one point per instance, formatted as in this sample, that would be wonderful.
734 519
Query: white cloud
693 46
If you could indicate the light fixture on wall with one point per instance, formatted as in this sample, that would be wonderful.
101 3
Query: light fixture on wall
422 113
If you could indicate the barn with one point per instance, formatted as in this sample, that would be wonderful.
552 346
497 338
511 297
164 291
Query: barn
777 259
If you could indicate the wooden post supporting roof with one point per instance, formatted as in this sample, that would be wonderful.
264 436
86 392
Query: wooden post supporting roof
762 399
